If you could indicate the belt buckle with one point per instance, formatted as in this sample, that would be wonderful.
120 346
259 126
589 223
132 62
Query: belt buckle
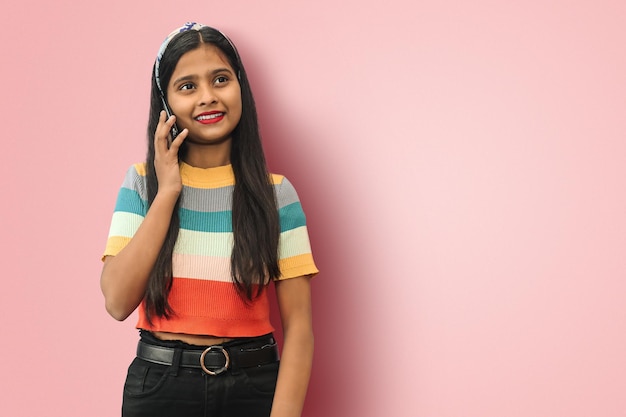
219 370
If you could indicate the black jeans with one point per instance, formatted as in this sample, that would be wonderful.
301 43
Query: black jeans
154 390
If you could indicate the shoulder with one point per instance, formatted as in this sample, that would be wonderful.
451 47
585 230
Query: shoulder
139 168
136 171
135 179
277 179
285 191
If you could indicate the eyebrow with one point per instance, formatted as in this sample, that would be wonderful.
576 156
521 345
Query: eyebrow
193 77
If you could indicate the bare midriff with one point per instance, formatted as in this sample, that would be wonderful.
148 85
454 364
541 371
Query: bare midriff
192 339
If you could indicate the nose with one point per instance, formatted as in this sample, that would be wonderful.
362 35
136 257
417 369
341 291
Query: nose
206 95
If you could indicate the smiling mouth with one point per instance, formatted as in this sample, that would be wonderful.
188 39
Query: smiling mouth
208 117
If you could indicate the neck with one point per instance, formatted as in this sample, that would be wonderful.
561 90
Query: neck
208 156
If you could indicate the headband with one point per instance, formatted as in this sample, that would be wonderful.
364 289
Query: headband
186 27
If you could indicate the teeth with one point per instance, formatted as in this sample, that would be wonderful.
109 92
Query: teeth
209 116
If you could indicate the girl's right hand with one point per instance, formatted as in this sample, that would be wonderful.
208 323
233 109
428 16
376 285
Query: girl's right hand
125 276
166 158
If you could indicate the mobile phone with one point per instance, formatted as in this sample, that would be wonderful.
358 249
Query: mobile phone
168 113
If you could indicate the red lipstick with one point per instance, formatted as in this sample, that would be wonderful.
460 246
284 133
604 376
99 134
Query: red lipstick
210 117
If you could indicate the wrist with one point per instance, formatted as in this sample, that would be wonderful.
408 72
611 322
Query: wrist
168 194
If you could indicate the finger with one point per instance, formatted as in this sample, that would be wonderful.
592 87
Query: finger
162 132
176 143
158 131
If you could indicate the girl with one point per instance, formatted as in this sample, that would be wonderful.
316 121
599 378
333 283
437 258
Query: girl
198 233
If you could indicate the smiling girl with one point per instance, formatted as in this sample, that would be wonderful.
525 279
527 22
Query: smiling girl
200 231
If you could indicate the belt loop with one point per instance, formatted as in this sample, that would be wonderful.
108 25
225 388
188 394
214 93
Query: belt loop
178 352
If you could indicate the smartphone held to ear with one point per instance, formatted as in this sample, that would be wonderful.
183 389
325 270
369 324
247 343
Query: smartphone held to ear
168 112
174 130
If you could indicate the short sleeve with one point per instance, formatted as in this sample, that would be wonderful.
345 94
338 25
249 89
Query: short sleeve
130 210
294 248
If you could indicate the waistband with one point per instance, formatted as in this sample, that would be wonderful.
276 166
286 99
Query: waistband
213 360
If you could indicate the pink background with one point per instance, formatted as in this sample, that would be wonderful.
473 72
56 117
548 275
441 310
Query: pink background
462 167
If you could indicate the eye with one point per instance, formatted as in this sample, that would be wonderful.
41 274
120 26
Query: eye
221 79
186 86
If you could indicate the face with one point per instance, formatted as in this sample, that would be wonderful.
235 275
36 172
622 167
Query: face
205 96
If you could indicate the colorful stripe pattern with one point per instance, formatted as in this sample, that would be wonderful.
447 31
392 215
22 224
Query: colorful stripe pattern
203 296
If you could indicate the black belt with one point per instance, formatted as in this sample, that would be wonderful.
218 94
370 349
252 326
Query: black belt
214 359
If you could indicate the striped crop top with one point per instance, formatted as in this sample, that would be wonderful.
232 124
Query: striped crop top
203 297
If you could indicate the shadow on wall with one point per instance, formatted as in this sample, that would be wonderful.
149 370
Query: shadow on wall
293 149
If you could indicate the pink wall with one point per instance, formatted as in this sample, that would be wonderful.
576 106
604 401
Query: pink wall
462 167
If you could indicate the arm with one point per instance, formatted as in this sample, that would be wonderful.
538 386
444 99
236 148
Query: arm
294 301
125 276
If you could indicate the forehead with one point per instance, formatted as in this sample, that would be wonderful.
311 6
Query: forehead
204 58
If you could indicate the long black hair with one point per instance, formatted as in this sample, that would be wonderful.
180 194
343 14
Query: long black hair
256 229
